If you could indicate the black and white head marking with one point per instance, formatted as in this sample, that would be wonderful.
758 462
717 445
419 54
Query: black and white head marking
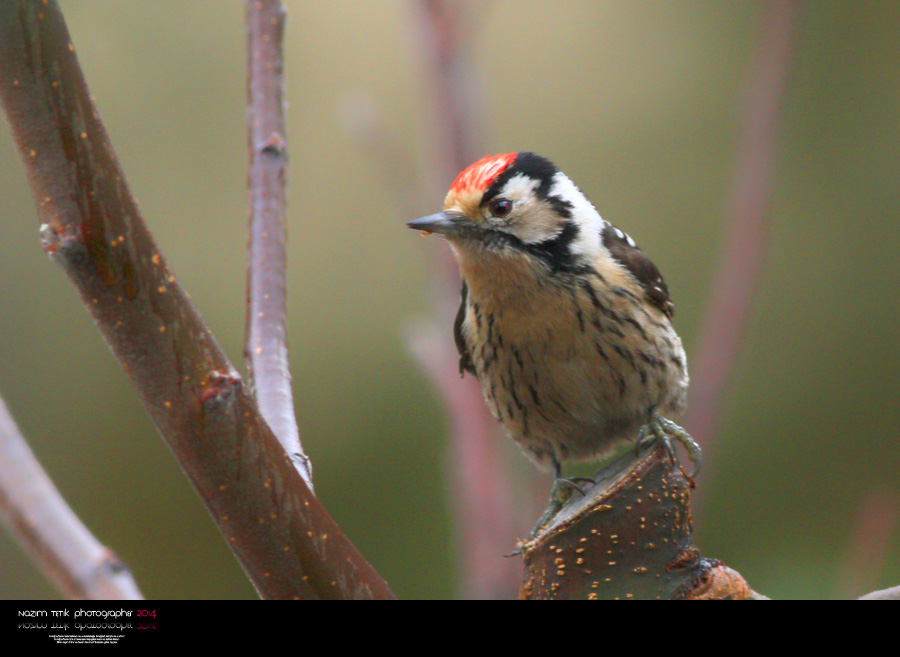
570 235
537 171
561 227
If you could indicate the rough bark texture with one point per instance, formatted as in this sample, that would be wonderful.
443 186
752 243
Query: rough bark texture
628 537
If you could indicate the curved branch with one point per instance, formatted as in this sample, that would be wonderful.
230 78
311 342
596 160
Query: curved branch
285 540
892 593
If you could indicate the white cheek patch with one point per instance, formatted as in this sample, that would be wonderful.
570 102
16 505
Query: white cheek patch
584 214
529 221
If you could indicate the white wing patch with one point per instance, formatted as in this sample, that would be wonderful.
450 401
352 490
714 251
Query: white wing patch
625 236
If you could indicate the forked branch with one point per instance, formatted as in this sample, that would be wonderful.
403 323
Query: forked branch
285 540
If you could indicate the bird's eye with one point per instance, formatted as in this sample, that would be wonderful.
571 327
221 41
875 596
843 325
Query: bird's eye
500 207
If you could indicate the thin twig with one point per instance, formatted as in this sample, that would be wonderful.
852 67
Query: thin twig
745 242
49 531
285 540
266 350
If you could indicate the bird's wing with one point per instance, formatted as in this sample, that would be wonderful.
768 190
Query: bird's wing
629 255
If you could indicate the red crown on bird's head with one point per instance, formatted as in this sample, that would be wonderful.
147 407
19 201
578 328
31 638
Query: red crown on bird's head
479 175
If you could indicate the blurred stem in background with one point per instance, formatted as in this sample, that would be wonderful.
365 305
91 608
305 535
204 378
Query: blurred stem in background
481 492
746 218
737 277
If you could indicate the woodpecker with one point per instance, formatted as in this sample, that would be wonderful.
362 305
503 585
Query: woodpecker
564 320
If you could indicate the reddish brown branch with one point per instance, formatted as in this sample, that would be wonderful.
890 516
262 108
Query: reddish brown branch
745 241
49 531
285 540
266 349
630 536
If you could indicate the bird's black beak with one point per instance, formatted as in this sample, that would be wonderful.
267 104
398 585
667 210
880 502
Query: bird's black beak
442 222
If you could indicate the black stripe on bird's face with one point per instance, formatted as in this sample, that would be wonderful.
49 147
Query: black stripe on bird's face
555 253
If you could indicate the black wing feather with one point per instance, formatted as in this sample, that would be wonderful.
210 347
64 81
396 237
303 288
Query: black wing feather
630 256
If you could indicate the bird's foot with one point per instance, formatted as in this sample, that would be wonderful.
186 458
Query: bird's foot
663 430
560 494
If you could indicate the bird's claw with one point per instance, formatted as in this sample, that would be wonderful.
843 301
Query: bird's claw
663 430
561 492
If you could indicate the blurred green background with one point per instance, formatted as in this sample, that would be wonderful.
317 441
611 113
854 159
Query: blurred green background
637 102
